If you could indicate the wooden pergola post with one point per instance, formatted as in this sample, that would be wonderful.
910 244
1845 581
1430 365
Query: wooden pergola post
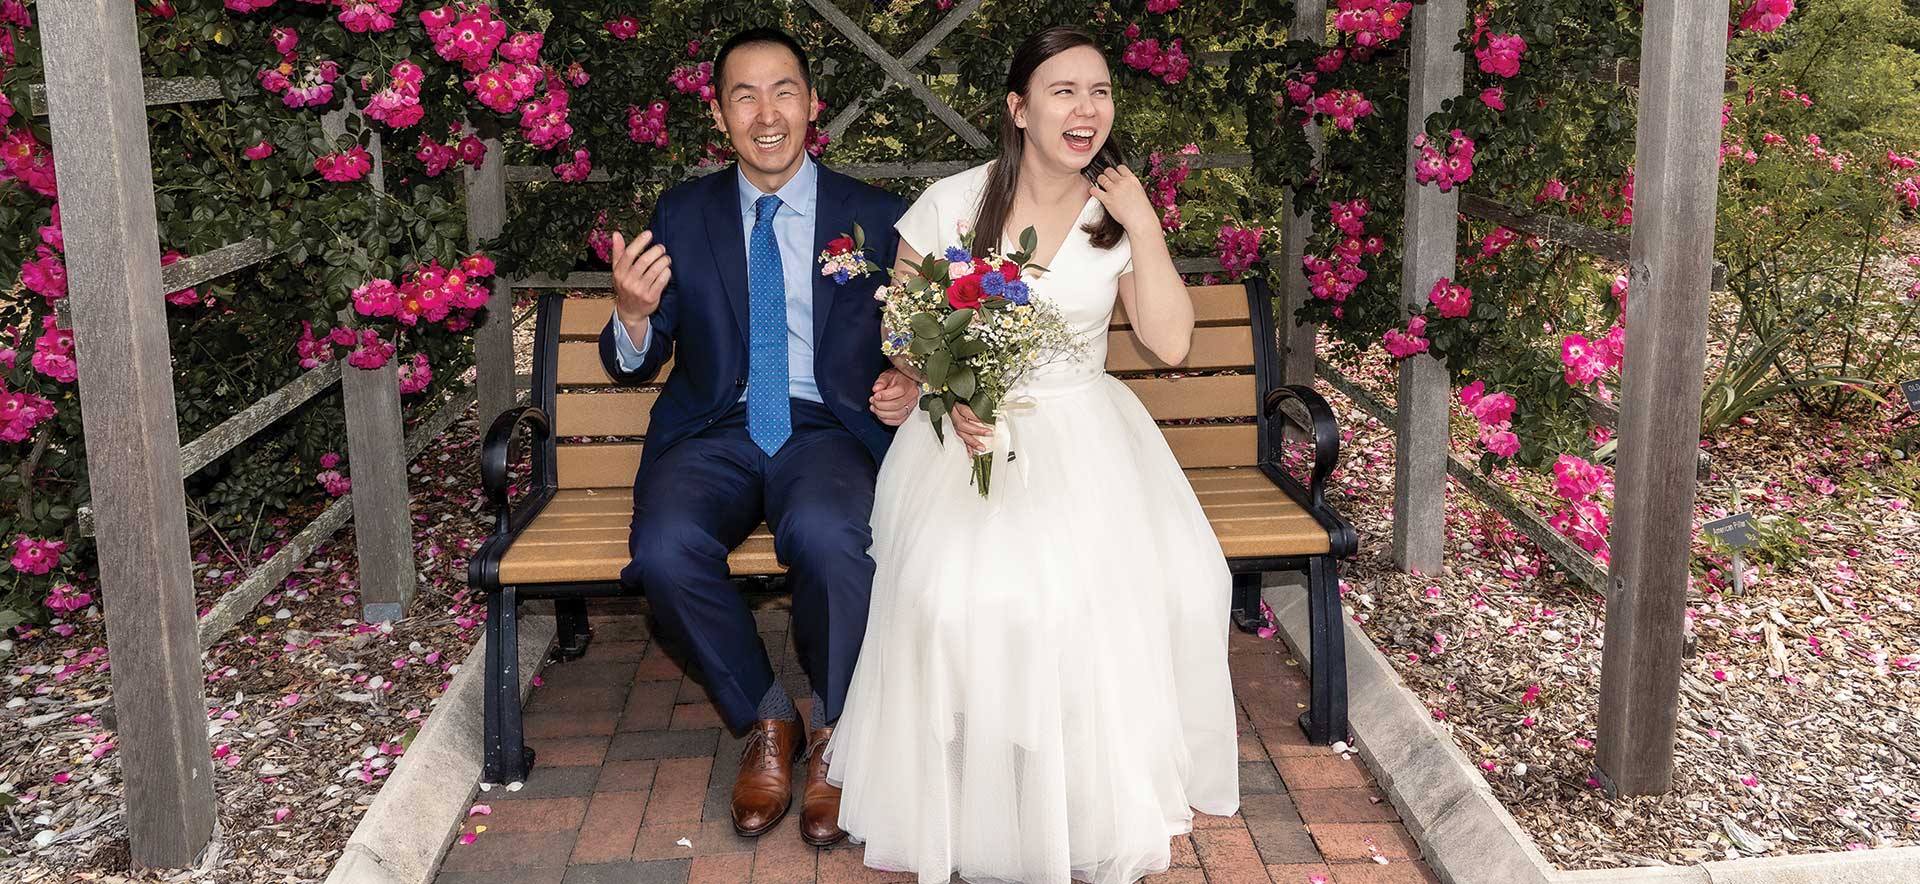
105 176
493 356
1683 51
1436 72
376 451
1297 340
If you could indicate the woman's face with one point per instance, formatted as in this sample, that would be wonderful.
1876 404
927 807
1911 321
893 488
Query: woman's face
1068 109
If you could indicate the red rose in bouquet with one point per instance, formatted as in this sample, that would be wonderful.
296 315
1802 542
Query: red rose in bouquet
966 293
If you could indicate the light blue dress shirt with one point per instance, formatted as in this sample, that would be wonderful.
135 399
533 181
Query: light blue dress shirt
793 228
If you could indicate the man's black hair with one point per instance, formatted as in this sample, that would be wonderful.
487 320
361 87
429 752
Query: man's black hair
758 36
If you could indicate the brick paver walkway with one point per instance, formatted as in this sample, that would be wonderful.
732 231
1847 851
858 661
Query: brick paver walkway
632 759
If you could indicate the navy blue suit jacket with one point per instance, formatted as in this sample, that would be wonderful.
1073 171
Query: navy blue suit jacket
702 316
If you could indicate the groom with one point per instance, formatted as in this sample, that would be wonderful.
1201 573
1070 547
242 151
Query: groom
779 406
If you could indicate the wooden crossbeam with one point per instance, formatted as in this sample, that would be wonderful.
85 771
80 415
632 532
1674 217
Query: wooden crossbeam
228 434
1577 562
1599 243
189 272
159 90
900 74
915 54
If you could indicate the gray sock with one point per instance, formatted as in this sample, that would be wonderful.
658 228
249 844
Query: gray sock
776 704
818 719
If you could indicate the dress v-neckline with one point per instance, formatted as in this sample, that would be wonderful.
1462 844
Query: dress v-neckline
1079 221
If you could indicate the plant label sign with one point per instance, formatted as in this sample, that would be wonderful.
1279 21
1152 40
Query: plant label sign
1735 531
1911 389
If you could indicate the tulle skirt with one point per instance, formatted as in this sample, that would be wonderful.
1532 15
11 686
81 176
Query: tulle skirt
1042 694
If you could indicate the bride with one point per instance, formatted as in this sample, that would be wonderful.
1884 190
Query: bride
1043 691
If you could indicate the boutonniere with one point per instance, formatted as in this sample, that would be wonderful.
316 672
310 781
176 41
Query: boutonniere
846 257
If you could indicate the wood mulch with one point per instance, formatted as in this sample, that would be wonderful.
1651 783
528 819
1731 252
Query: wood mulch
1799 697
308 707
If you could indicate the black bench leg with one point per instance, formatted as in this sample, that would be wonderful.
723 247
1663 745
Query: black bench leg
575 633
1325 720
1246 603
508 759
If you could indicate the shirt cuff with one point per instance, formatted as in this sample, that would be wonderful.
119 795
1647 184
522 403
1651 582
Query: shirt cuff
628 355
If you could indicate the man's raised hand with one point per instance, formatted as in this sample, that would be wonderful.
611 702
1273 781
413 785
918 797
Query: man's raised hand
641 270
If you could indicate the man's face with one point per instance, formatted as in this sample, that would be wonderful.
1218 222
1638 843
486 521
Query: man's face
764 105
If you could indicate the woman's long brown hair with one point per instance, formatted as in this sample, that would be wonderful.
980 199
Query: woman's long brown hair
996 202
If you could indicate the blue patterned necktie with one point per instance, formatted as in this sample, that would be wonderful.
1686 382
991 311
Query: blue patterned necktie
769 419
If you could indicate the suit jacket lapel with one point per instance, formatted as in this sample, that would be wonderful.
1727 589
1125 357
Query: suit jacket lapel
729 243
833 216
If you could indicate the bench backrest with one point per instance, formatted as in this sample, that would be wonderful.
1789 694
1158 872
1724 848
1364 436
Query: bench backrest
1208 406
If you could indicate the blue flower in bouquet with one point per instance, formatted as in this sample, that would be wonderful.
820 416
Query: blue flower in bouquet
993 284
1016 292
958 255
841 277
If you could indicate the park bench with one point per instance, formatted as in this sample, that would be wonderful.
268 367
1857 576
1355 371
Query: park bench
566 537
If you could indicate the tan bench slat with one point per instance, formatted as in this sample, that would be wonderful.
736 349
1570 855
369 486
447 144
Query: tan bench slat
1235 477
579 366
1282 510
609 464
1212 305
622 413
583 318
1213 348
601 561
1277 543
1182 398
597 465
588 501
1224 445
579 532
626 413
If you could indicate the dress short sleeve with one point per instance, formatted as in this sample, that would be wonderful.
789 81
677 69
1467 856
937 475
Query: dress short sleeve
921 226
930 224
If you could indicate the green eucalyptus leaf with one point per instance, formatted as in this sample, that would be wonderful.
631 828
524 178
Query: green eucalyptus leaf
961 382
956 322
939 363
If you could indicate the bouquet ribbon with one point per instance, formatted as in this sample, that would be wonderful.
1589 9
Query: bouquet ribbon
1006 433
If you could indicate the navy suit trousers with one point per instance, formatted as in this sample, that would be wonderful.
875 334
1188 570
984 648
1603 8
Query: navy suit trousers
700 498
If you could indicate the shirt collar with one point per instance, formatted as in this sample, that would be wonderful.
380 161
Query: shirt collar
799 193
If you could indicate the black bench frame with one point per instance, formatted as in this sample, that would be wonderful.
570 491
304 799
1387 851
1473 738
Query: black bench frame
508 758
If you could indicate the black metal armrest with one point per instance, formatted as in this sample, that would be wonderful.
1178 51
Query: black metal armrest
483 569
493 454
1325 430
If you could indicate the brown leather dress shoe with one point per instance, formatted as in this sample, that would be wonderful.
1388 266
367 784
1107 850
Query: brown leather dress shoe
764 789
820 800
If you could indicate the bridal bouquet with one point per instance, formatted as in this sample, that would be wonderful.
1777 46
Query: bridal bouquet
972 328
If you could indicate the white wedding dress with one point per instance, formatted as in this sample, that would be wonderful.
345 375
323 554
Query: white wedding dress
1043 690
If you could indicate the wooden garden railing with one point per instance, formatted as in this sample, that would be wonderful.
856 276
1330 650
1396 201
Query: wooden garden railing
96 101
